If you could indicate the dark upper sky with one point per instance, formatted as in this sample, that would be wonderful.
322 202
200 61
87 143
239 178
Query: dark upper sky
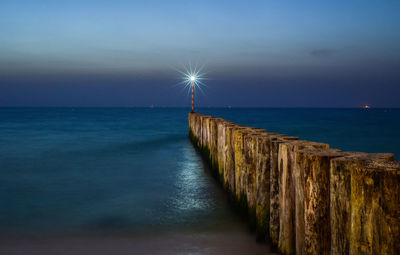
255 53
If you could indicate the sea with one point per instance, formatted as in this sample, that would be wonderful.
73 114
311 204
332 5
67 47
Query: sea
129 181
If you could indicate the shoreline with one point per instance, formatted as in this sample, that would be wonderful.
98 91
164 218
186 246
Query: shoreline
237 241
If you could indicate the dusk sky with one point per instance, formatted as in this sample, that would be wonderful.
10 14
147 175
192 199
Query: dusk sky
254 53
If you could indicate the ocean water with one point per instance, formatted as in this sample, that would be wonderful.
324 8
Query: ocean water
101 173
367 130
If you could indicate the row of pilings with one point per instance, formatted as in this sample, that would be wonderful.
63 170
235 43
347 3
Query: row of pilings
301 196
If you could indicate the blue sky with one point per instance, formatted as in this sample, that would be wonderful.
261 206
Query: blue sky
259 53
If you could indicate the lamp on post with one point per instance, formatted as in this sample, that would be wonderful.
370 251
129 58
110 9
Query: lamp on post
192 79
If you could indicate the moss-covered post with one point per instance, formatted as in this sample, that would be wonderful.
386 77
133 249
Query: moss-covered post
190 119
199 125
214 137
375 208
340 198
194 129
317 200
229 166
228 154
192 125
287 191
312 175
262 186
237 139
206 134
249 169
201 130
274 222
220 150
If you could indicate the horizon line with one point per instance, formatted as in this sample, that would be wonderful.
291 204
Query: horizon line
214 107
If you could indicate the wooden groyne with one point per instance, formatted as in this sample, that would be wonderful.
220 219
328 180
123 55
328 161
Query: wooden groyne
302 196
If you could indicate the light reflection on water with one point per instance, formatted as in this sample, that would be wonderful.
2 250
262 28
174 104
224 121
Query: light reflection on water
190 183
99 171
127 171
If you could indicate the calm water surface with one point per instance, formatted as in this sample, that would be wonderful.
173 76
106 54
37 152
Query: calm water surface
93 173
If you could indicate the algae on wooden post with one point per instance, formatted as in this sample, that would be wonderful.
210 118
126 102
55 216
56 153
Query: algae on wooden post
229 164
249 163
248 168
214 137
206 133
201 131
287 190
313 234
237 139
194 127
199 126
375 208
190 117
190 120
249 172
237 145
274 142
226 161
220 150
340 197
364 190
262 188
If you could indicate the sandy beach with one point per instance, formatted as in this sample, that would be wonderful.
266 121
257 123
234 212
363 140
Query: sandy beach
231 242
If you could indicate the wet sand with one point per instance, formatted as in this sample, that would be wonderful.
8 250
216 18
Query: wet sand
226 242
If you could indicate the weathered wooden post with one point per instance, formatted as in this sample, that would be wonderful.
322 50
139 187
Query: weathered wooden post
287 190
262 186
317 200
229 164
192 126
205 136
214 137
196 126
226 152
312 175
340 197
249 169
375 208
274 186
201 130
237 138
190 118
221 150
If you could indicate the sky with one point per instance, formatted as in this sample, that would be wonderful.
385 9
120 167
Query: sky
252 53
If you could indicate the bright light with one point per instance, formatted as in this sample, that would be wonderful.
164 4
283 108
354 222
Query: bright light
192 76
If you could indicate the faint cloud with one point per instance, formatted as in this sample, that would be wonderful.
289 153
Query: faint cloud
322 53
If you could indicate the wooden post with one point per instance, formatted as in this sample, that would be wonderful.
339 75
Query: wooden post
274 186
312 175
375 208
287 191
229 165
249 169
340 198
262 187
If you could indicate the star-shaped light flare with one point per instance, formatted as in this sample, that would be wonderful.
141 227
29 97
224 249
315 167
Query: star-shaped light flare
192 78
193 75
